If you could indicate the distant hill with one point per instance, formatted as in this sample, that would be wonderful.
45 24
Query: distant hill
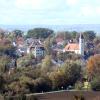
75 27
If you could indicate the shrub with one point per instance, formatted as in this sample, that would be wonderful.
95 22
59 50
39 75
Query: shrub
78 85
95 83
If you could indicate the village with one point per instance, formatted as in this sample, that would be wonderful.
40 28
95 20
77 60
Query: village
44 61
53 45
49 50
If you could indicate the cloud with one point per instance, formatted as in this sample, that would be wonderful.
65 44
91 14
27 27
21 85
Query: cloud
37 4
49 11
5 20
28 4
90 11
98 10
87 10
72 2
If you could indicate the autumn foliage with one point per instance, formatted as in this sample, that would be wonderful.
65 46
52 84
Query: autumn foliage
93 65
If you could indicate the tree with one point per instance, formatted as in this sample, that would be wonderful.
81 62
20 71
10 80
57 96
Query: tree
74 34
4 63
18 81
43 84
6 47
89 35
93 65
39 33
95 83
17 33
25 61
2 84
58 79
18 88
66 75
46 64
72 71
64 35
2 33
96 40
47 45
97 49
66 55
47 61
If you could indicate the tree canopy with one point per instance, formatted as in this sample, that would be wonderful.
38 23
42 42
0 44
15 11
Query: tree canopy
89 35
39 33
64 35
93 65
18 33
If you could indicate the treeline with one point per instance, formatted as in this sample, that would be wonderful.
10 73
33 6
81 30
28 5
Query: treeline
40 78
46 32
45 77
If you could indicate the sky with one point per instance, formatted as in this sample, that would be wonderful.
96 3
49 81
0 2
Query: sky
50 12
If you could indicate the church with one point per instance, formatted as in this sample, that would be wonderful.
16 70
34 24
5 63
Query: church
77 48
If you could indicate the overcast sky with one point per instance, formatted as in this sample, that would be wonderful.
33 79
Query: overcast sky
49 12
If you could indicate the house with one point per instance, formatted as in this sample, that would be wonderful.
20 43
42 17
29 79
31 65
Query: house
72 47
36 48
20 45
60 41
77 48
20 41
6 47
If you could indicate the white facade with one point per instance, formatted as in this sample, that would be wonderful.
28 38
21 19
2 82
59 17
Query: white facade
36 51
77 51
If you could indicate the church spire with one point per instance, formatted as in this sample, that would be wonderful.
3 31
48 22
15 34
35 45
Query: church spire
81 44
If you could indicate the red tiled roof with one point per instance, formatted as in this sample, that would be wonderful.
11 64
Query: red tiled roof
71 46
59 39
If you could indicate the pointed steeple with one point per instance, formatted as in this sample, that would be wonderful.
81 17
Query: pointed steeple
81 36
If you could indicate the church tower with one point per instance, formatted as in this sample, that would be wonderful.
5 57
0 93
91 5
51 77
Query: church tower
81 45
